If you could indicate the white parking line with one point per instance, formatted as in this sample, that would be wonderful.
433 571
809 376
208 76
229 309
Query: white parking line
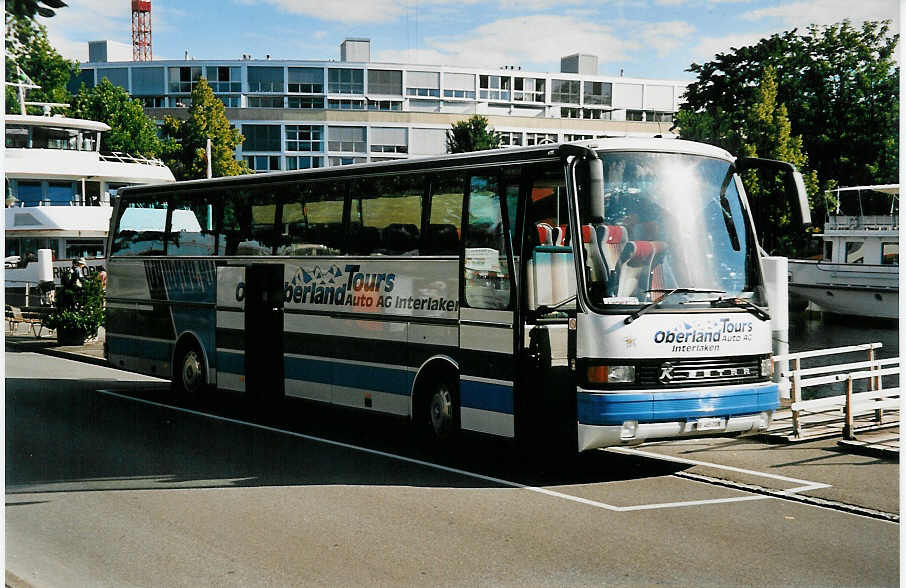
805 484
499 481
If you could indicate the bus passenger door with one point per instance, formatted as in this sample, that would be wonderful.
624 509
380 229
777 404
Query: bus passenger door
264 331
486 314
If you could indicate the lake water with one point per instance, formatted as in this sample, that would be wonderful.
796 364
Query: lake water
812 330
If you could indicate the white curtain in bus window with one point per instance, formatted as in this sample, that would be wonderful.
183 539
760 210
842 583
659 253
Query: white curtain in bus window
485 270
386 215
248 222
192 225
312 219
890 253
445 221
140 230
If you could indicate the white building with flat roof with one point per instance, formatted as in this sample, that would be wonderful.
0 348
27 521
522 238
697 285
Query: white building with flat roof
298 114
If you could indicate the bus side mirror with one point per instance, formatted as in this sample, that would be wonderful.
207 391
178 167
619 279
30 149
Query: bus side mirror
794 185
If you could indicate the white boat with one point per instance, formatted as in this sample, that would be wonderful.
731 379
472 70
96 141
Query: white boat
58 190
858 272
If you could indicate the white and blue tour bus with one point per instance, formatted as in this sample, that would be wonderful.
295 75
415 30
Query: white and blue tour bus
586 294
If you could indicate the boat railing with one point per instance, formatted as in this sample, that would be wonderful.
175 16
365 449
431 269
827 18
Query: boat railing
862 222
874 374
120 157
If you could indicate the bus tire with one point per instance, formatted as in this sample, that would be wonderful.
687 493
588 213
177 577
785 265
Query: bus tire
440 411
189 372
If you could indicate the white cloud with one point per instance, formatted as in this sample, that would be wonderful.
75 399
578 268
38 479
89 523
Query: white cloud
353 11
825 12
535 39
97 20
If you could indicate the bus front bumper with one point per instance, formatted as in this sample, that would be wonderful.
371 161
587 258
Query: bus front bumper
630 418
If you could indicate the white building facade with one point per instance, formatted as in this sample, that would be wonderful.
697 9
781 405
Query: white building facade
301 114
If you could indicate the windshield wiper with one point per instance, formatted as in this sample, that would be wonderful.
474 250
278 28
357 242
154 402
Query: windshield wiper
545 309
746 304
651 305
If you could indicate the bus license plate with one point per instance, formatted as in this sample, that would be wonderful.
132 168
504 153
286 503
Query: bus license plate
709 423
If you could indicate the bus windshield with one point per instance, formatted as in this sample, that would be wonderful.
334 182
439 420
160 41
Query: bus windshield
670 221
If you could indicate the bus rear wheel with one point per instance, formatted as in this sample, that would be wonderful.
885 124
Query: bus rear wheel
190 375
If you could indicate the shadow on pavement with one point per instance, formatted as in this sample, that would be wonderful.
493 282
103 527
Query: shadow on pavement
63 435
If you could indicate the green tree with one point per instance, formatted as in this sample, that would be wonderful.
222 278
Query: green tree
840 88
28 8
131 130
185 154
472 134
768 134
27 46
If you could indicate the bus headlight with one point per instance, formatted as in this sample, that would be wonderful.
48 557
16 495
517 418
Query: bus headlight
610 374
767 367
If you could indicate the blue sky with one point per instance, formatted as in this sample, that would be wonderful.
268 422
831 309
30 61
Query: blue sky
644 38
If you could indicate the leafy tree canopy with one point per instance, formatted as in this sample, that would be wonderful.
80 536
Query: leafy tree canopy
472 134
131 130
28 8
840 88
27 46
207 119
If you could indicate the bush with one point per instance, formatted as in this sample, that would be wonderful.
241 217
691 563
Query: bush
79 309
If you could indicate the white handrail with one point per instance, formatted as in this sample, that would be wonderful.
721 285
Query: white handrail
831 351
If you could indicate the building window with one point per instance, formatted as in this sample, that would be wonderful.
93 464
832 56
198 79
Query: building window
655 116
183 79
152 101
224 78
263 163
265 79
229 101
308 102
565 91
345 104
261 137
828 250
540 138
423 83
147 81
510 138
597 93
573 137
385 82
459 94
304 80
570 112
528 90
637 115
890 254
294 162
596 114
345 81
386 105
303 138
265 101
494 87
350 139
335 161
180 101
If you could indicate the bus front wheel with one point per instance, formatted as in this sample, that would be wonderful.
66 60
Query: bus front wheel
190 377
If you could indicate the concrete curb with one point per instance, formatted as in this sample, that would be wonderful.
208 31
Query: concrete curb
72 355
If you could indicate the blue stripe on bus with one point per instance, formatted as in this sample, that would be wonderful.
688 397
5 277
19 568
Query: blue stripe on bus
486 396
675 405
231 363
391 380
143 348
308 370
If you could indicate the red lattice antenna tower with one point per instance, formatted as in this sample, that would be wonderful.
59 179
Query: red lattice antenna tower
141 30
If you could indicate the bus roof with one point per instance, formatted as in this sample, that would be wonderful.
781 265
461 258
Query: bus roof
502 155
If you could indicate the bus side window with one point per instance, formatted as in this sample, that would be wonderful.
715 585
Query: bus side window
386 215
487 283
248 223
192 225
141 227
442 235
